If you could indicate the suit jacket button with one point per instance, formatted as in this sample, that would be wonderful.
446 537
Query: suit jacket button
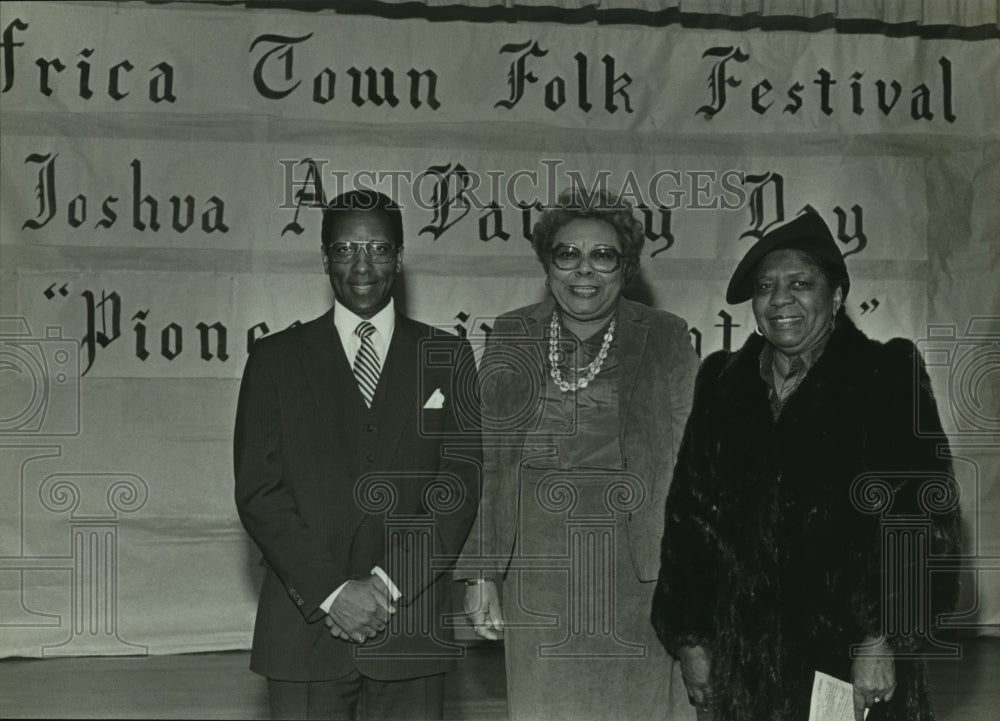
370 458
370 428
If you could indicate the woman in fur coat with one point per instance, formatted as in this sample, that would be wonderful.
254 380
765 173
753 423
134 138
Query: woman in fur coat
799 448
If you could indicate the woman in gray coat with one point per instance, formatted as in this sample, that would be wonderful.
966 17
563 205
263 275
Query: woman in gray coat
585 396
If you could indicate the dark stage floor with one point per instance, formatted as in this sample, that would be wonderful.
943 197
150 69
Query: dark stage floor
218 685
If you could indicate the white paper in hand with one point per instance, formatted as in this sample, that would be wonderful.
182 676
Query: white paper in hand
832 699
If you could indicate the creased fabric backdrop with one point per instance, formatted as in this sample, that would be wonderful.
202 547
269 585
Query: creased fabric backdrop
161 164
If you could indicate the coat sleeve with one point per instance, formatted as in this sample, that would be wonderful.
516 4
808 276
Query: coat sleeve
911 482
685 597
451 498
266 507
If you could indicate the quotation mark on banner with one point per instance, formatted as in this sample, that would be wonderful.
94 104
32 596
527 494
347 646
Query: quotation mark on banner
50 294
869 306
463 318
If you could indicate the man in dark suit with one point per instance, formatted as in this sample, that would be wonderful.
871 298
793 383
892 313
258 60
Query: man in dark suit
357 459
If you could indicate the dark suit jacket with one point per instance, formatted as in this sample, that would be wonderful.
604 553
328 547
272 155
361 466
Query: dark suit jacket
328 489
658 368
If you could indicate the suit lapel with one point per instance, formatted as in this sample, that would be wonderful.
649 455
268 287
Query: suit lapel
331 381
396 394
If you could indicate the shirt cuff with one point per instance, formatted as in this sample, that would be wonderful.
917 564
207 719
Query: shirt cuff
325 606
377 571
394 592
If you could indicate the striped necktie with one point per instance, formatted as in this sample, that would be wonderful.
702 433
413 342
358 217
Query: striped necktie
366 366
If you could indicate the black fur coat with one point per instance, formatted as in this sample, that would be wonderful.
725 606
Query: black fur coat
772 553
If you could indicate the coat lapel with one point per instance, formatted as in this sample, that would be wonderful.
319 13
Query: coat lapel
527 391
843 362
740 382
632 332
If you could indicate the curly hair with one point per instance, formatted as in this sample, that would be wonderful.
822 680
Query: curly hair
574 204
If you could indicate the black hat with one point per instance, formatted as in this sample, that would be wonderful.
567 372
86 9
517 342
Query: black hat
807 232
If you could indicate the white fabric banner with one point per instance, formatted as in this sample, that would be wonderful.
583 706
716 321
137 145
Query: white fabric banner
160 168
207 60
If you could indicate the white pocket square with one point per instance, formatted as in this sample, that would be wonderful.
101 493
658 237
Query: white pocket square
436 400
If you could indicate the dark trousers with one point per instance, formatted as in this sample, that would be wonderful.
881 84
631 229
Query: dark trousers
356 697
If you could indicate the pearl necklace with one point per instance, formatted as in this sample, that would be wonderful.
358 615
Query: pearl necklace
593 368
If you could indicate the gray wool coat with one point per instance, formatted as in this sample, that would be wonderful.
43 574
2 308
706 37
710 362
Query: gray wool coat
658 369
